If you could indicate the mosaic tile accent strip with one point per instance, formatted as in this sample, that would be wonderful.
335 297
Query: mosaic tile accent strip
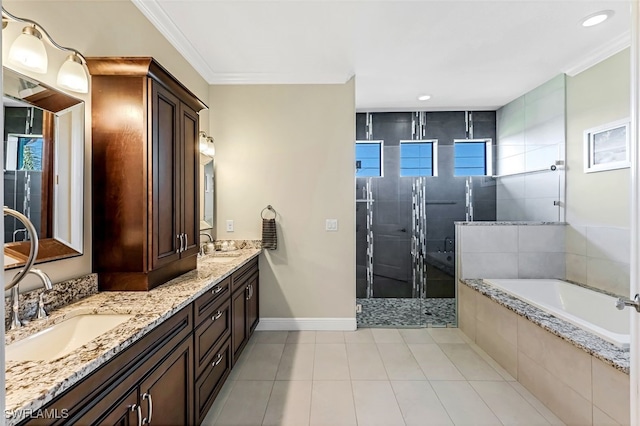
62 294
406 312
590 343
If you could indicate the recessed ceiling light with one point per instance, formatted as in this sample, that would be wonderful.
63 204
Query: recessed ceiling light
424 97
597 18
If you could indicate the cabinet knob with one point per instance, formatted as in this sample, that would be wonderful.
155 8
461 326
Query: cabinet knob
217 361
179 237
217 316
216 290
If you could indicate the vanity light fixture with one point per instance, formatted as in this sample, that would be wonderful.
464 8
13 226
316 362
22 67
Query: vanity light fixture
28 52
597 18
72 75
424 97
206 145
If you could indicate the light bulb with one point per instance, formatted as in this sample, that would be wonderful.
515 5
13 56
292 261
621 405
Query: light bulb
28 51
73 75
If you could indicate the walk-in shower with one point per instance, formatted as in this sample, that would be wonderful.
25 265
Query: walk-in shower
409 195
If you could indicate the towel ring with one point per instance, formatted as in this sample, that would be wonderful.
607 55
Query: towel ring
270 209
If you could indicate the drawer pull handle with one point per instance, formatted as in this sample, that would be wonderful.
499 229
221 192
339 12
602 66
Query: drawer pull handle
138 410
217 316
216 290
147 396
217 361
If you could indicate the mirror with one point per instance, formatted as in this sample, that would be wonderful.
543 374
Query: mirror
206 192
43 169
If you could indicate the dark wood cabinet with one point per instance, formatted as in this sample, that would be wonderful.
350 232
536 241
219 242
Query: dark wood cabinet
166 394
239 334
172 375
244 306
145 174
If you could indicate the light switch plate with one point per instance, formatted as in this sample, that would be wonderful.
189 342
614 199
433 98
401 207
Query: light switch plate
331 225
229 225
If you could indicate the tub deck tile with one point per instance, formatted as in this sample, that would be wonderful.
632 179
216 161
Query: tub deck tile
590 343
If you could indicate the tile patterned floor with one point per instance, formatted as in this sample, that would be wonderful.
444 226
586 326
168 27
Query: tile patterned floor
390 312
385 377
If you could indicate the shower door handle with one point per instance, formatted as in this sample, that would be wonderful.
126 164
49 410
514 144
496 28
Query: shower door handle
624 302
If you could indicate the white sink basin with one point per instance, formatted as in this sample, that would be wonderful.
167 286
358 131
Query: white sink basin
62 338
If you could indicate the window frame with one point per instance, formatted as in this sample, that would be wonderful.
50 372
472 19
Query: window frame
434 155
488 155
380 143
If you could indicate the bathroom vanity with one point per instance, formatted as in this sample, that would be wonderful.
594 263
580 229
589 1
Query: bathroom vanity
168 362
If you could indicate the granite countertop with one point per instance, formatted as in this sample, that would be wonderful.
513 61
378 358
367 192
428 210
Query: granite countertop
31 384
590 343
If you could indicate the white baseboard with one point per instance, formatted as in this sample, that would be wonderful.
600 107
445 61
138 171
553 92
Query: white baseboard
293 324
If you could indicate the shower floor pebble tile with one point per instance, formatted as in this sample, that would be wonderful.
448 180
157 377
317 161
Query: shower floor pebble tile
367 377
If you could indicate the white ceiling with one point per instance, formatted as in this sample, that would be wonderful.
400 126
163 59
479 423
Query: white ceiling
466 54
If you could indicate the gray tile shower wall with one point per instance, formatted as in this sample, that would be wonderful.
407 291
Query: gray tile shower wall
511 250
445 195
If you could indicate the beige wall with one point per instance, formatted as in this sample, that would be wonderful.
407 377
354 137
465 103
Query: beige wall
597 96
97 28
597 235
291 146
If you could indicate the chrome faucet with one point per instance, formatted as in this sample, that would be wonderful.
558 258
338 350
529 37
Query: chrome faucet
447 240
15 295
14 284
202 251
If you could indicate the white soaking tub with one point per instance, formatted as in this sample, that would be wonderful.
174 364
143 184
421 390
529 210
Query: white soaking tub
584 308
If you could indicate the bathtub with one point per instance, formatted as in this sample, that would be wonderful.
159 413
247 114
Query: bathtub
584 308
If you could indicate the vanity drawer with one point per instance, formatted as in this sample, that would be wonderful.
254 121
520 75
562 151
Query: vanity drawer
210 382
205 305
214 329
239 277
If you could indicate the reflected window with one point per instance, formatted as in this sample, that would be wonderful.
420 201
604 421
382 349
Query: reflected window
419 158
369 158
472 157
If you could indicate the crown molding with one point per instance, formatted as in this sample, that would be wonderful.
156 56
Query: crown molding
280 78
152 10
600 54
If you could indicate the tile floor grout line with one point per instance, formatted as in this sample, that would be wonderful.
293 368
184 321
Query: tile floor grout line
440 401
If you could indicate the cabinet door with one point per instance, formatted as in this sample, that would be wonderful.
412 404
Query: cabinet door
190 202
165 234
166 394
123 413
239 322
252 305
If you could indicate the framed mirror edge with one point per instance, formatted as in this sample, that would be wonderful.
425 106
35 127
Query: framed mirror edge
63 106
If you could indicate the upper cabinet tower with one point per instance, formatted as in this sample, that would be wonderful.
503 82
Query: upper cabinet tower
145 165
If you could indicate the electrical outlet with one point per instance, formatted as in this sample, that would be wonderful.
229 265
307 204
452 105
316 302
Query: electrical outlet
229 225
331 225
358 308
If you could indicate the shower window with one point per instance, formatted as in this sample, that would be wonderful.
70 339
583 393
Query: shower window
369 158
472 157
419 158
